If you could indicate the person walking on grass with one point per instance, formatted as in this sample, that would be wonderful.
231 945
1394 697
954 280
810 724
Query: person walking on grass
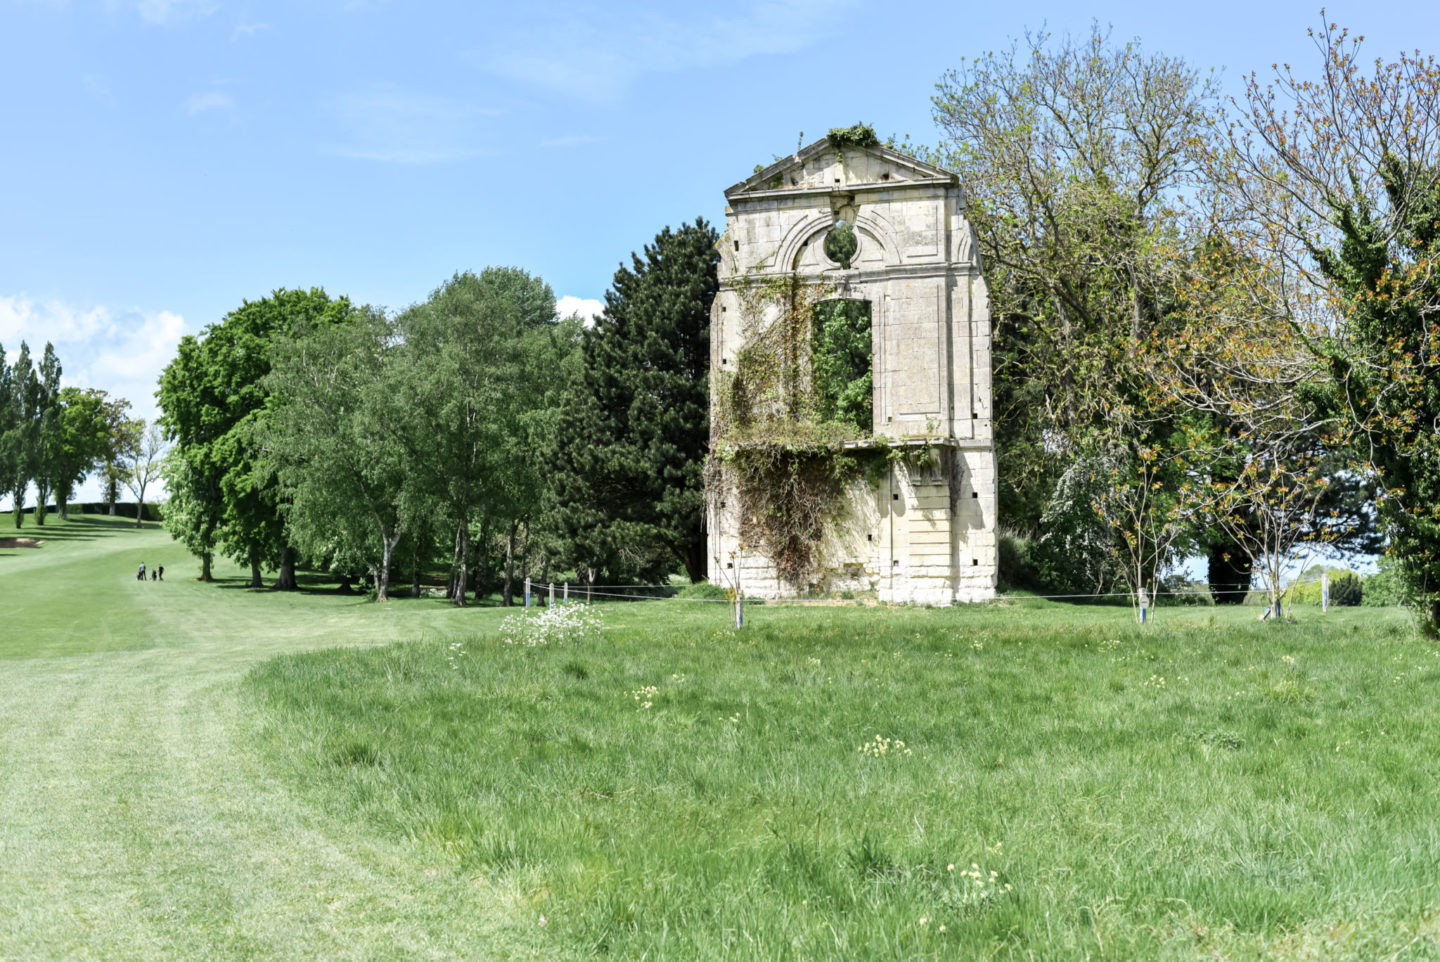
141 575
160 572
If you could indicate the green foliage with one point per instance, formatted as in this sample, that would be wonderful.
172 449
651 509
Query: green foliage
1388 368
858 135
704 591
1071 152
1386 586
1075 550
1346 588
841 244
840 358
327 438
212 396
632 431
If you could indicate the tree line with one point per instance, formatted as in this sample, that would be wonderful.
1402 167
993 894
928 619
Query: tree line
1216 330
53 437
474 433
1216 322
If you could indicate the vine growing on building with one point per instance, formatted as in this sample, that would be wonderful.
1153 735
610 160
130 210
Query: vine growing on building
787 413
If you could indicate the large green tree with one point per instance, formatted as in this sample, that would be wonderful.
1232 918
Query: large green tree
47 416
1331 181
1073 154
464 393
80 441
212 395
344 475
23 434
633 433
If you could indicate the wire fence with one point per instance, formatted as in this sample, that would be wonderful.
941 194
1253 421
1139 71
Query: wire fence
579 591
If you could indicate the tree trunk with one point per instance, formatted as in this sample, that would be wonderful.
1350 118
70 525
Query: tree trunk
205 573
694 561
285 581
255 579
462 544
382 579
19 496
507 594
1228 571
42 495
140 512
1432 612
112 494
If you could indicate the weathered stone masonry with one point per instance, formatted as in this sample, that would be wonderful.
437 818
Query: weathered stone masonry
924 530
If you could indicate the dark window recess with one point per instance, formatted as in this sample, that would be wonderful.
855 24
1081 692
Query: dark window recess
894 497
974 494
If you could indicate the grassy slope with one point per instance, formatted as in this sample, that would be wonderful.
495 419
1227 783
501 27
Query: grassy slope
134 821
1205 788
1183 792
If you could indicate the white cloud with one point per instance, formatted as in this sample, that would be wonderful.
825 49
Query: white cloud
586 307
598 57
119 351
396 126
209 100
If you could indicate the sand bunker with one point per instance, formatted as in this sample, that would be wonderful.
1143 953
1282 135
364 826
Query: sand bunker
20 543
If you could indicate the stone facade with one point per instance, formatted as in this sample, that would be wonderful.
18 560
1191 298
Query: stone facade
922 529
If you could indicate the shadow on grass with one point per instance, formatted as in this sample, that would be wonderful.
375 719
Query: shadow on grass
76 529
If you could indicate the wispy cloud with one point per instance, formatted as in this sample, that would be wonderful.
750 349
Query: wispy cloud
244 31
209 100
395 126
597 57
164 11
569 140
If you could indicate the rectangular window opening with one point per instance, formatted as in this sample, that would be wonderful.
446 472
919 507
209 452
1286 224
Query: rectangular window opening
842 366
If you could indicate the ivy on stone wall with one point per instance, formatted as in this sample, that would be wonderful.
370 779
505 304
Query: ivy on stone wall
786 413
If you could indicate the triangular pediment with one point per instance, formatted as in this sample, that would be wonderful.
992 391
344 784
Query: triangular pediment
822 166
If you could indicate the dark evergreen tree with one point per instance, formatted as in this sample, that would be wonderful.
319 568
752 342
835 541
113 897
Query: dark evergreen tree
633 433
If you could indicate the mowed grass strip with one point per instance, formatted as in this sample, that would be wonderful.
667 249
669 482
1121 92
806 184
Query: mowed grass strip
1070 785
137 822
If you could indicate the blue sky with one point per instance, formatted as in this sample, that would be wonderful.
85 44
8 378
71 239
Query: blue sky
163 160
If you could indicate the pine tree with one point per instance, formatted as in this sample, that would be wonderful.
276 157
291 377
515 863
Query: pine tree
634 429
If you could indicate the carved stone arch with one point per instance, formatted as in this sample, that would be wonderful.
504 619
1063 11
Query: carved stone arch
872 228
799 236
878 227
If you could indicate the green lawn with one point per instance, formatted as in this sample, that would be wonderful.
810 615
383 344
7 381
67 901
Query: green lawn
185 774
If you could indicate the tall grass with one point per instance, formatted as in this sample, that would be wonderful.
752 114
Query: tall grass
1070 786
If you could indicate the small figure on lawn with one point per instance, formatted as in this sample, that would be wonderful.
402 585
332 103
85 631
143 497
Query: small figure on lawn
141 575
154 575
160 572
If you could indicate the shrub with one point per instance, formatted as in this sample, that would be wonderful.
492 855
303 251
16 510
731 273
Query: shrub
705 591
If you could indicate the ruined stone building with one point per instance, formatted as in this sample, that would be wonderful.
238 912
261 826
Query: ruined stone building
844 463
